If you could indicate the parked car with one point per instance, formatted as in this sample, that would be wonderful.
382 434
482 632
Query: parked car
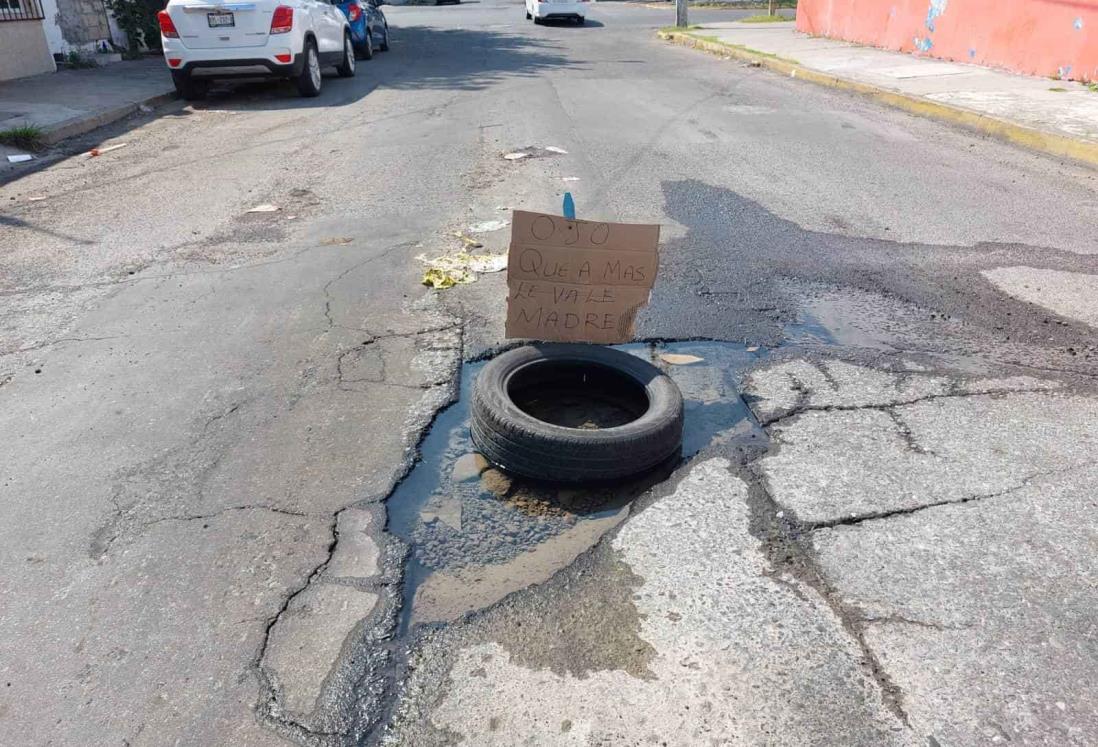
557 10
369 29
207 40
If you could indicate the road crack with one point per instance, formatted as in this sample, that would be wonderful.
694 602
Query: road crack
898 619
802 408
811 526
789 554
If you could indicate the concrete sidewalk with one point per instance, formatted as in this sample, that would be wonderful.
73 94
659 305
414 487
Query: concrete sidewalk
1057 117
72 102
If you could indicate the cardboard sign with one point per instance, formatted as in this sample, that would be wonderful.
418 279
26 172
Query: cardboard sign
578 280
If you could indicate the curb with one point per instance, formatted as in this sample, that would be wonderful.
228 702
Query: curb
80 125
1084 151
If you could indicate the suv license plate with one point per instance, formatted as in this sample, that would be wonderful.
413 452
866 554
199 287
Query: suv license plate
218 20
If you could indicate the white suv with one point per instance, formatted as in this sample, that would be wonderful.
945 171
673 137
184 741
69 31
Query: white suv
557 10
208 39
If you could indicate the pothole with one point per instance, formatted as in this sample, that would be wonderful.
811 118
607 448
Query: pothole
477 534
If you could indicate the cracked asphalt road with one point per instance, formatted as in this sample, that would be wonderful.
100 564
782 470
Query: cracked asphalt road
203 411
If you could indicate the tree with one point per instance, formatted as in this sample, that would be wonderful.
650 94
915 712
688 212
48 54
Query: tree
138 22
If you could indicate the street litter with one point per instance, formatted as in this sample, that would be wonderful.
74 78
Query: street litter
470 242
569 178
488 226
337 241
534 151
488 262
20 158
753 348
145 108
457 269
264 209
443 279
94 152
39 198
679 359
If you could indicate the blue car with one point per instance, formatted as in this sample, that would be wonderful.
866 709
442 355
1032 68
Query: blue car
369 29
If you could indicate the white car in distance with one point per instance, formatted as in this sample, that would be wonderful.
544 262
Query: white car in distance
557 10
205 40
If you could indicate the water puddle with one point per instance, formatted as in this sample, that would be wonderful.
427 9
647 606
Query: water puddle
477 534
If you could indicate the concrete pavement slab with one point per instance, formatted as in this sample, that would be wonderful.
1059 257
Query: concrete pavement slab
863 443
731 653
356 555
306 641
801 385
983 613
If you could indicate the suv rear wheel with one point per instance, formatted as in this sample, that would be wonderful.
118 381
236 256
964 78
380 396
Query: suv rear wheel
310 80
366 49
188 87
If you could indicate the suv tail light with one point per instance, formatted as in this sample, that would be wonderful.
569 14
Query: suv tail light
354 13
167 28
282 20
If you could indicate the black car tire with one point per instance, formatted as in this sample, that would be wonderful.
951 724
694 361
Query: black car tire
537 21
528 16
188 87
581 20
520 443
384 38
366 49
347 68
308 81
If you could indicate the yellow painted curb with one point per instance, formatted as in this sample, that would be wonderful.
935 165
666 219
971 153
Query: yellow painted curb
1085 151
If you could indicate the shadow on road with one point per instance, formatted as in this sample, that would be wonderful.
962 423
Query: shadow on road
421 57
470 59
740 272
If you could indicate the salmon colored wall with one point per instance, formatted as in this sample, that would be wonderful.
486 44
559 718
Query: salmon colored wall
1040 37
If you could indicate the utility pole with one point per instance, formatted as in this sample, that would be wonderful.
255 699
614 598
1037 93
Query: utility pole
771 7
680 14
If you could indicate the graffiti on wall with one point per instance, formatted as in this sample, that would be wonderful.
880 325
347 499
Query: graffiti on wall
1056 38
